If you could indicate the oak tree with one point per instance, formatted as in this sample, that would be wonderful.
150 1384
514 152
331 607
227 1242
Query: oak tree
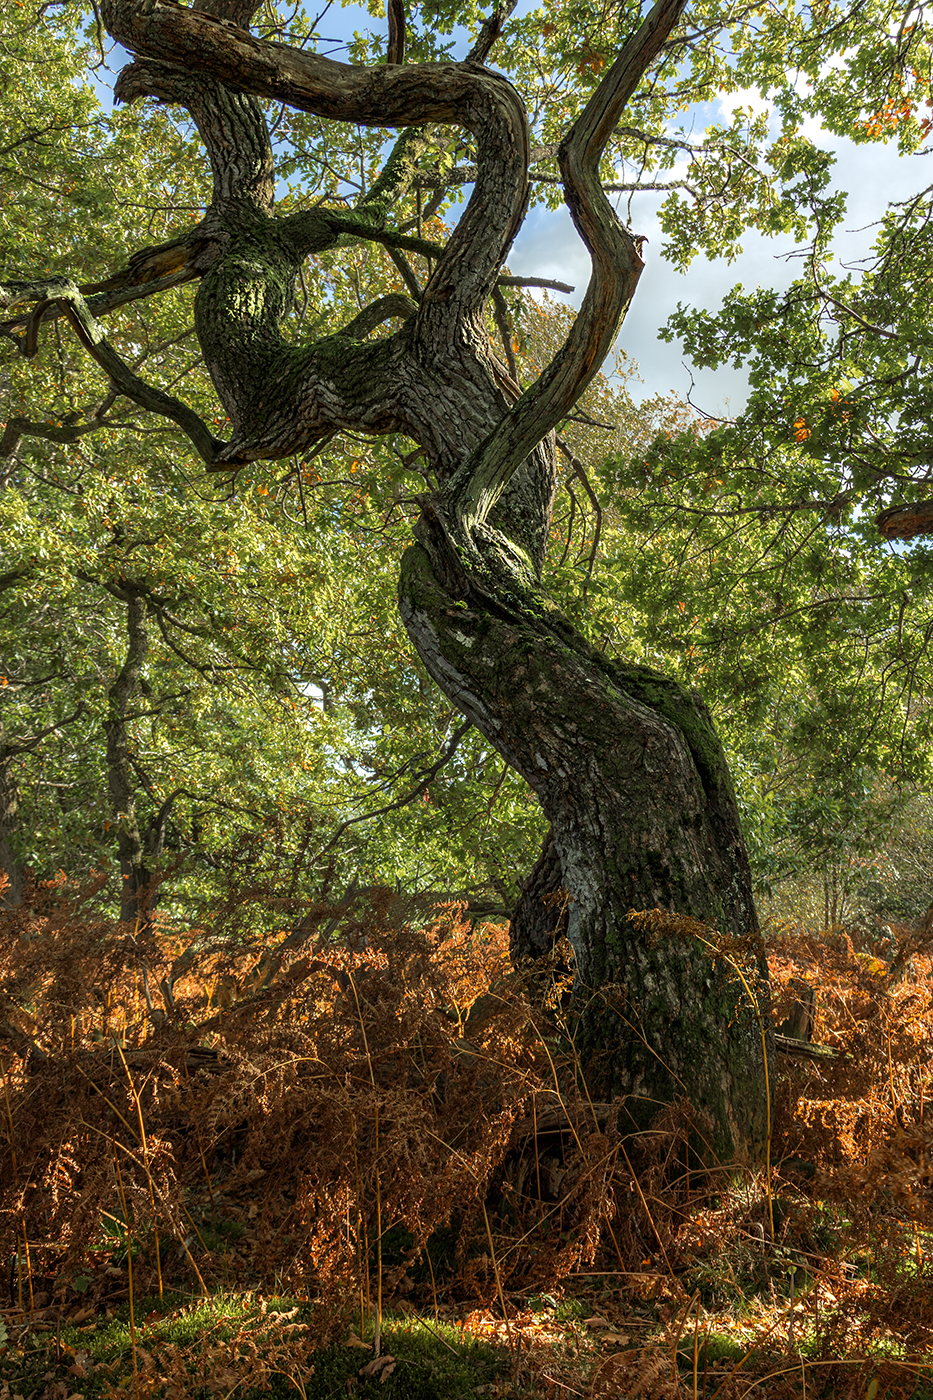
625 761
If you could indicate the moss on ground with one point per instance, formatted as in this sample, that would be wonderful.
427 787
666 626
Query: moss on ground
421 1360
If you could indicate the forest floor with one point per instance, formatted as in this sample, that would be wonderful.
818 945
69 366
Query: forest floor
377 1173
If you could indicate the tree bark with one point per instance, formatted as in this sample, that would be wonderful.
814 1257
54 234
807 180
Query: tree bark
11 866
629 771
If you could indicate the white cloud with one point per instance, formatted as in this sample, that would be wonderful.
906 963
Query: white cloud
745 100
549 246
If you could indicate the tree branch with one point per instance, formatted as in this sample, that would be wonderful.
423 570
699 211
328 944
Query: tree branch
616 269
428 777
395 52
231 125
16 428
383 309
500 313
547 282
904 522
63 292
133 282
27 745
389 95
490 31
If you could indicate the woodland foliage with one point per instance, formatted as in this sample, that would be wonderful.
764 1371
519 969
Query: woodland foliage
384 1124
279 701
302 1063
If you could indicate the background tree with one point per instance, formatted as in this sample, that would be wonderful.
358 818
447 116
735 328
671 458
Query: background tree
784 532
263 719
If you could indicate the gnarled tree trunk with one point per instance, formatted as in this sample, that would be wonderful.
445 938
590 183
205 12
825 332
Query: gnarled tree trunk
629 770
626 763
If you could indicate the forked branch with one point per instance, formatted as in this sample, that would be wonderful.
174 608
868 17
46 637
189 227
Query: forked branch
615 272
62 292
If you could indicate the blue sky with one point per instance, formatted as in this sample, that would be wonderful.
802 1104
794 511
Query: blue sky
873 175
548 246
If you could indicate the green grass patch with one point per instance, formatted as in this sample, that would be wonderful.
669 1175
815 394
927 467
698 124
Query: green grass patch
712 1347
422 1360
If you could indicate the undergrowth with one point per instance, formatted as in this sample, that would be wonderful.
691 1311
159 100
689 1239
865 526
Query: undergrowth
351 1158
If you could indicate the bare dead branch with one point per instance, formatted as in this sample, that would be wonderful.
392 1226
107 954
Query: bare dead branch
395 52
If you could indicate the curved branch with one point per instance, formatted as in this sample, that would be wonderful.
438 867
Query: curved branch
27 745
121 289
63 292
17 428
231 125
389 95
381 310
616 269
904 522
427 777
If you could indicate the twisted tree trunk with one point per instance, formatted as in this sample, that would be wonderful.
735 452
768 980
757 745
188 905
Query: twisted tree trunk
626 763
629 771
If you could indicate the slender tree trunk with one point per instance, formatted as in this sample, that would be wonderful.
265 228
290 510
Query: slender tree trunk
629 770
135 877
9 806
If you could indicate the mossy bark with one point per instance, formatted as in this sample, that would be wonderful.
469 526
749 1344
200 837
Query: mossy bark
630 773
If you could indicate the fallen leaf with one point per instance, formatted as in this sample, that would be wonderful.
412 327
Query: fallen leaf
381 1366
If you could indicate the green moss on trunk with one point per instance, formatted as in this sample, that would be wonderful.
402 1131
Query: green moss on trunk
631 775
